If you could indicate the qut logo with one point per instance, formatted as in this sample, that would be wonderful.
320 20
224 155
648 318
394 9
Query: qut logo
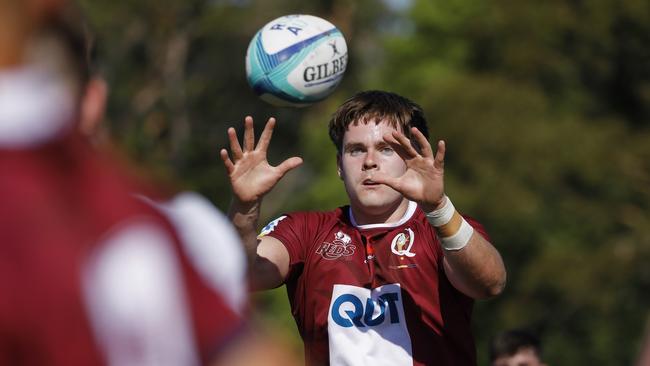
367 326
361 314
353 306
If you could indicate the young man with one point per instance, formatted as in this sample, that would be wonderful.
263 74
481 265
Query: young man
515 348
389 279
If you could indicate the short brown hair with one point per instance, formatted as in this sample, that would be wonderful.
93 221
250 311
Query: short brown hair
508 343
377 106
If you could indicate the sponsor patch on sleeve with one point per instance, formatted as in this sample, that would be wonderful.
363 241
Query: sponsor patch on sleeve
270 226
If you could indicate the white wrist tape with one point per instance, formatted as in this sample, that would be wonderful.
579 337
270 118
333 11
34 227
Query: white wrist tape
443 216
459 240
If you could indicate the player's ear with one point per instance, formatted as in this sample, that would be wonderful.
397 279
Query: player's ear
338 166
93 106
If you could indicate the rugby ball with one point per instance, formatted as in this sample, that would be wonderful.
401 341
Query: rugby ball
296 60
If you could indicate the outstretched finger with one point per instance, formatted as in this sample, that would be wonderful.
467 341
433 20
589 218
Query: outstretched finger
235 147
425 146
249 134
439 161
401 144
226 161
265 137
289 164
406 144
397 146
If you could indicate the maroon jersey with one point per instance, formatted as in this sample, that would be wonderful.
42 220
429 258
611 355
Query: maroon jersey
89 275
373 294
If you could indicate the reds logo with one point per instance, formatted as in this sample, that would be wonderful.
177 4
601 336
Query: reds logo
341 246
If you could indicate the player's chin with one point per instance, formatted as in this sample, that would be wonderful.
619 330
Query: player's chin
375 202
379 192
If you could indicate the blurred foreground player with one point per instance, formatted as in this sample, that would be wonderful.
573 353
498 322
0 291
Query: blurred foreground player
389 279
88 274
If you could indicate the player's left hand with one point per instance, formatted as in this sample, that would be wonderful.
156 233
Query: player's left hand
422 181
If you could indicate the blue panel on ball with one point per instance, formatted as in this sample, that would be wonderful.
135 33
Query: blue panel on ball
266 85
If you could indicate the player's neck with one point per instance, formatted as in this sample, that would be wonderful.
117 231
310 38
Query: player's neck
393 214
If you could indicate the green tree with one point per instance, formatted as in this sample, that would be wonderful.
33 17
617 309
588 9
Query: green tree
545 110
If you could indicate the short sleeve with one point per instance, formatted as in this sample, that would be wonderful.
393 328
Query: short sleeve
290 230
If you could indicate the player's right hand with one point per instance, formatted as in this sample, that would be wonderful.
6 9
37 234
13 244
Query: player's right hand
251 175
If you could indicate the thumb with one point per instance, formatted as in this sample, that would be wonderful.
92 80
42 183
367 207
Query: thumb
289 164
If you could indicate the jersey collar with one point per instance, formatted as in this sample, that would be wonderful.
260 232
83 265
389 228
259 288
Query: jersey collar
410 211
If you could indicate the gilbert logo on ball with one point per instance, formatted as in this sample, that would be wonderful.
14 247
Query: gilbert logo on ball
296 60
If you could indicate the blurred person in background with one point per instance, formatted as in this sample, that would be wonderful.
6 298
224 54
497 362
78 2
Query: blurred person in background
389 279
88 274
644 355
516 347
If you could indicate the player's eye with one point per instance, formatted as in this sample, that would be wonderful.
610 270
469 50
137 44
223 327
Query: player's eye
386 150
355 151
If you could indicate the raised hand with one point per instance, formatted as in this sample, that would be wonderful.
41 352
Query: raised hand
423 181
251 175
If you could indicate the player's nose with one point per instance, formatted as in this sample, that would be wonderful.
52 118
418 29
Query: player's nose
370 161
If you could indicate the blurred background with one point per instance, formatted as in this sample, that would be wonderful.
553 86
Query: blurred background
545 107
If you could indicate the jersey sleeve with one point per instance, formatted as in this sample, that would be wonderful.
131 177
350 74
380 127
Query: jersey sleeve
291 231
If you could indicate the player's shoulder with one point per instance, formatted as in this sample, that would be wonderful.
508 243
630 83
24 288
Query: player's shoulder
210 242
310 216
299 221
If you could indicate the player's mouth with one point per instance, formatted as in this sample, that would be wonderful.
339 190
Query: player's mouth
369 183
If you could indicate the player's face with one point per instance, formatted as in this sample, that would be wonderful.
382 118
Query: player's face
523 357
363 153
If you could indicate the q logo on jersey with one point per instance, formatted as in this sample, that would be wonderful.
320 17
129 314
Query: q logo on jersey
402 243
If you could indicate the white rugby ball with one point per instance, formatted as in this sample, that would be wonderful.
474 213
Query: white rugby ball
296 60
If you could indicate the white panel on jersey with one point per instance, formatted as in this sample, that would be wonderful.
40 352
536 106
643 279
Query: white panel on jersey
136 300
212 245
367 327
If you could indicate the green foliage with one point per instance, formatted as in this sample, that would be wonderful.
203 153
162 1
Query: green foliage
545 108
538 152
